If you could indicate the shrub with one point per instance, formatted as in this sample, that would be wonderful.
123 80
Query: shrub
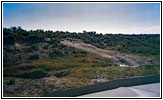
34 57
11 82
34 47
62 74
83 52
32 75
56 53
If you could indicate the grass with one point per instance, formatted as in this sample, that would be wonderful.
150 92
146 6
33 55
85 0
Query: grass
85 67
79 71
52 66
115 72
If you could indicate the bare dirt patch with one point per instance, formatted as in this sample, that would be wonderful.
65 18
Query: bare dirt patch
119 59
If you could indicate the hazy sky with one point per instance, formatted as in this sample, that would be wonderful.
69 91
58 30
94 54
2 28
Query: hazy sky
76 17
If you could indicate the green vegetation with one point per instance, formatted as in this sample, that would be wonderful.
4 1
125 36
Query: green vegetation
52 66
111 73
139 44
37 59
11 82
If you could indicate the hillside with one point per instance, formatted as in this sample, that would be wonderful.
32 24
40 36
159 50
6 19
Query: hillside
118 58
48 61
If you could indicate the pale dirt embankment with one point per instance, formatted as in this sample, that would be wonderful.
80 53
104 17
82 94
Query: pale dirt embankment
119 59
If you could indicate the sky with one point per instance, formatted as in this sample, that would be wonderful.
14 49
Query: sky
127 18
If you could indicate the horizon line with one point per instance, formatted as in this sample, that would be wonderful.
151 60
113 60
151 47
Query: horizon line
78 32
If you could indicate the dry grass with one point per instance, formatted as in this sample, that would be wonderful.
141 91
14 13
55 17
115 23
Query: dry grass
82 71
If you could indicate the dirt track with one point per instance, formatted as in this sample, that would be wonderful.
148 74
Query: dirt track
119 59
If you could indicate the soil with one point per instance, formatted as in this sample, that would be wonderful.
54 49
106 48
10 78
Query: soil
119 59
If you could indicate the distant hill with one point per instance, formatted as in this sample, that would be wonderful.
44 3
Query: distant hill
16 40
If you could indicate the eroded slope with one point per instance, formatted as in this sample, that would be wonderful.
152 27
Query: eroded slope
119 59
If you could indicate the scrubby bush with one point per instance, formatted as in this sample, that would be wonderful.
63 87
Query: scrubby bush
56 53
62 74
34 47
11 82
83 52
34 57
33 75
